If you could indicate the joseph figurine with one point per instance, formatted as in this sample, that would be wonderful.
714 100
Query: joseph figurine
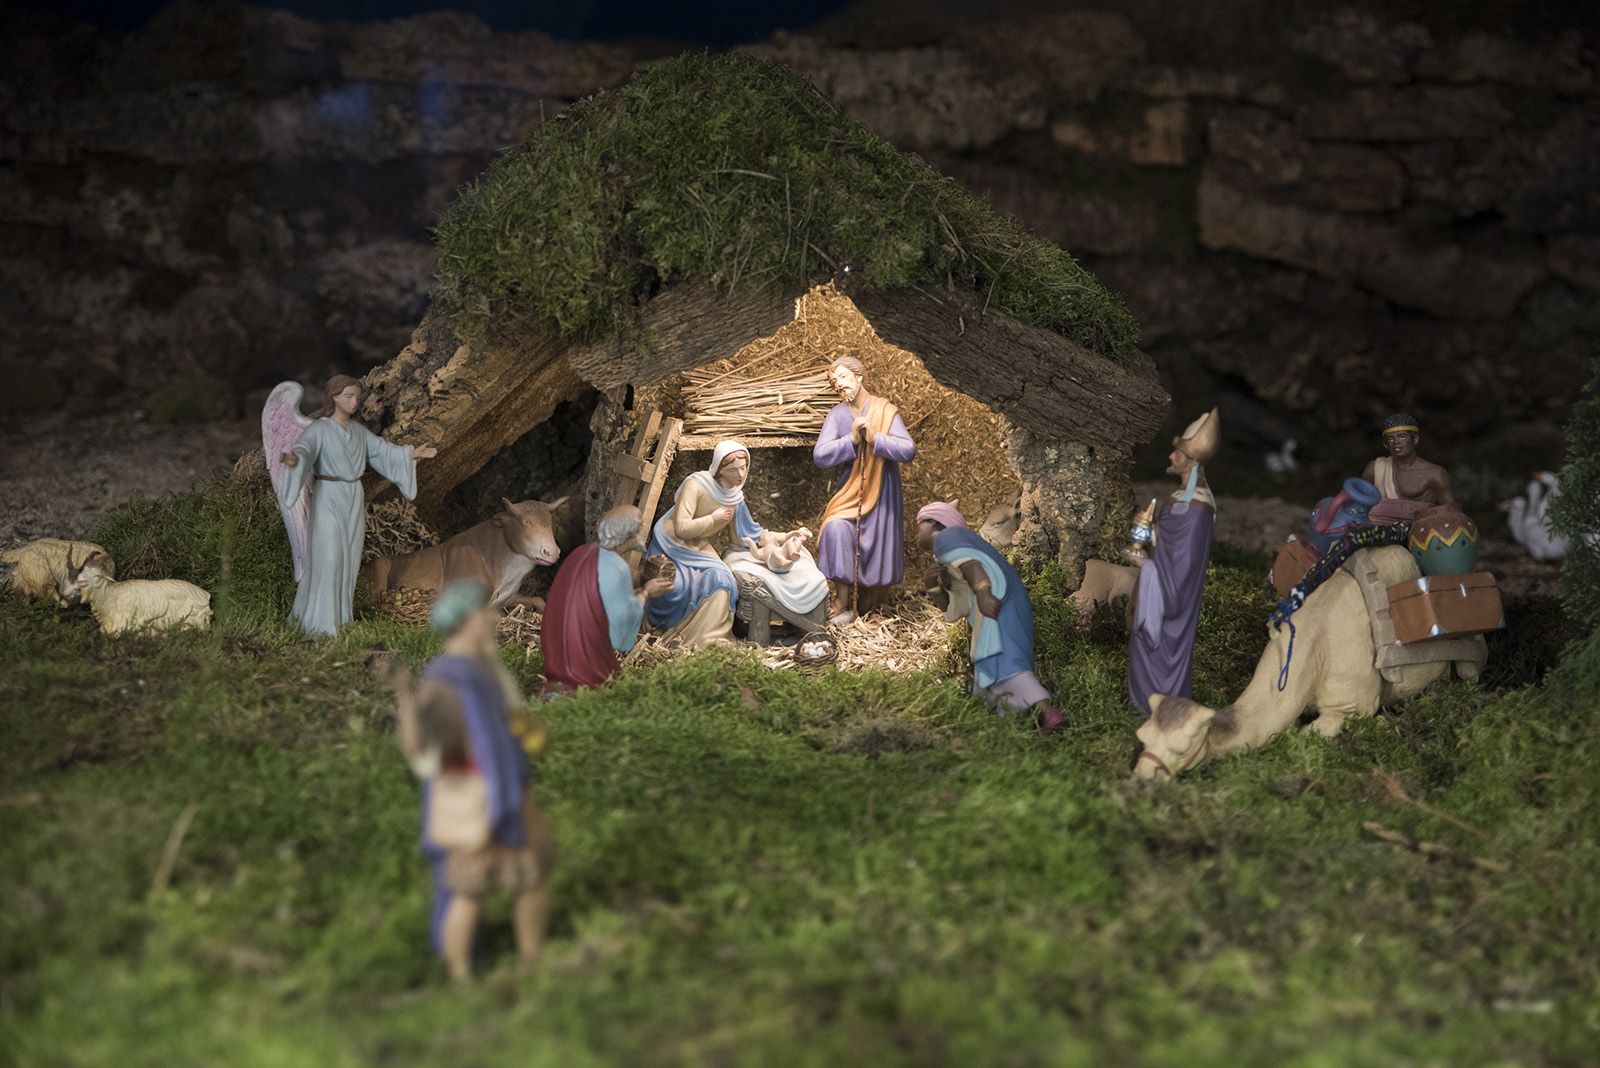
861 545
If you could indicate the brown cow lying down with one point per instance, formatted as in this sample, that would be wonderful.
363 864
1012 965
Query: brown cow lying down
498 552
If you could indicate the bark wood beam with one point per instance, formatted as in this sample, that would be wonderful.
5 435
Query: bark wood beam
1039 380
685 325
468 402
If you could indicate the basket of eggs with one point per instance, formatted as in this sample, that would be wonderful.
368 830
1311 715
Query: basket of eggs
816 651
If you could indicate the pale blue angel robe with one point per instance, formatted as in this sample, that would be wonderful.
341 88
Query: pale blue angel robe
338 513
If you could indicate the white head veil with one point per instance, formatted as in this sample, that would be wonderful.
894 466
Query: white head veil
708 478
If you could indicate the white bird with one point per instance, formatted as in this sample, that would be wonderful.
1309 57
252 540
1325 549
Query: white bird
1530 519
1283 460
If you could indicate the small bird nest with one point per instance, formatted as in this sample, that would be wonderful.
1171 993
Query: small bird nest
816 651
404 606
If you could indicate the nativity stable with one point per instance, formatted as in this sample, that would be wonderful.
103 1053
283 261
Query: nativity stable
677 262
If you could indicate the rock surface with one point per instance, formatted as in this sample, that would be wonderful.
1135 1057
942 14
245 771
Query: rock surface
1359 213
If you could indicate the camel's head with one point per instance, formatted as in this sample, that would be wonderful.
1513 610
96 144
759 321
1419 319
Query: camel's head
1176 737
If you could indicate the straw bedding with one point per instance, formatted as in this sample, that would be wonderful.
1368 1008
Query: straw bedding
907 636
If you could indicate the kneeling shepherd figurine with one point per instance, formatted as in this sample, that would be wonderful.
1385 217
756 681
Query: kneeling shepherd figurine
974 582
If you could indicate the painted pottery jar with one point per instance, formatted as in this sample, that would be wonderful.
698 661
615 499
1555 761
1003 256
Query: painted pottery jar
1342 513
1444 541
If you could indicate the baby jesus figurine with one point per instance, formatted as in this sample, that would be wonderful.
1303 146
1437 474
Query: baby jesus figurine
780 556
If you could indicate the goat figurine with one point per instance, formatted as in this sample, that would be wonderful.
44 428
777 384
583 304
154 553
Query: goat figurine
39 569
138 604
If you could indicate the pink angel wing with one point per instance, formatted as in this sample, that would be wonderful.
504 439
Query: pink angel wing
281 426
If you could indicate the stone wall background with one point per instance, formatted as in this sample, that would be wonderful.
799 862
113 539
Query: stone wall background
1353 213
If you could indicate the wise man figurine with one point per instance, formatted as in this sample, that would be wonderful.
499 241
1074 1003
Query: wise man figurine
861 547
593 612
1167 594
481 831
1407 484
316 467
974 582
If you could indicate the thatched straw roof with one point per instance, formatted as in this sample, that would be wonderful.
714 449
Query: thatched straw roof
668 223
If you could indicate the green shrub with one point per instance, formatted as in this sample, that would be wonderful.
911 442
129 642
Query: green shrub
734 170
1576 513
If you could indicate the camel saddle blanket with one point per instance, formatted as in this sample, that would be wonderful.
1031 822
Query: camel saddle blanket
1294 560
1390 652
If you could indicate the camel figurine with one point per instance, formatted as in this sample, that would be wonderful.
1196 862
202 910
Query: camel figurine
1333 670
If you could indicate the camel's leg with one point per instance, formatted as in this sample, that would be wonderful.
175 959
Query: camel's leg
1328 723
460 925
530 917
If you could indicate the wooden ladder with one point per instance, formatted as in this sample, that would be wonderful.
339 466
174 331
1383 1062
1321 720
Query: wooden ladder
641 476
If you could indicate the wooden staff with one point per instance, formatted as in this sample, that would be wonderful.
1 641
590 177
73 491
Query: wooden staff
861 507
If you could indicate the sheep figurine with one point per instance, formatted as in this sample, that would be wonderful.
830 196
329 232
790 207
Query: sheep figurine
138 604
40 569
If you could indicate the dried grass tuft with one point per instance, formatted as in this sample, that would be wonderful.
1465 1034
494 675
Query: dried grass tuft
394 528
518 625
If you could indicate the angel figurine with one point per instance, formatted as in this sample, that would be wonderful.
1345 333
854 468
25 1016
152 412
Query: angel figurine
316 467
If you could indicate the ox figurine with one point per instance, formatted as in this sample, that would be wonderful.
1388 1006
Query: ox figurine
498 552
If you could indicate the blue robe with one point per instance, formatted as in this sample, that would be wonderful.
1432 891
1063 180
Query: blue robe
1001 647
499 758
699 574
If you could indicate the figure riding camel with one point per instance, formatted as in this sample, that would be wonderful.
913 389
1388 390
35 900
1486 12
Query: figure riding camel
1407 484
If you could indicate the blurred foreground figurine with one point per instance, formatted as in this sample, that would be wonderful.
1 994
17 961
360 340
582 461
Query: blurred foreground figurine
1406 482
481 831
316 467
593 612
860 547
974 582
1166 604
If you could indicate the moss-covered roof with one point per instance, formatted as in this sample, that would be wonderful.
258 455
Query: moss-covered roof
734 169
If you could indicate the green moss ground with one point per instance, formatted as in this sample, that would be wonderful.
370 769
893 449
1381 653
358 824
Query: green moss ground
735 170
765 868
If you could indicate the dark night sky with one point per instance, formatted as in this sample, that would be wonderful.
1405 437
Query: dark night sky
711 22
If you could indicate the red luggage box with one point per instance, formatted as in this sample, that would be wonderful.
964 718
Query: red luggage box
1445 606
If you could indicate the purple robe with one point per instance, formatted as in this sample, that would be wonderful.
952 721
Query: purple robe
495 755
883 556
1167 604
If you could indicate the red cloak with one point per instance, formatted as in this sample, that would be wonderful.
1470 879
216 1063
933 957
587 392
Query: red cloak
575 634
